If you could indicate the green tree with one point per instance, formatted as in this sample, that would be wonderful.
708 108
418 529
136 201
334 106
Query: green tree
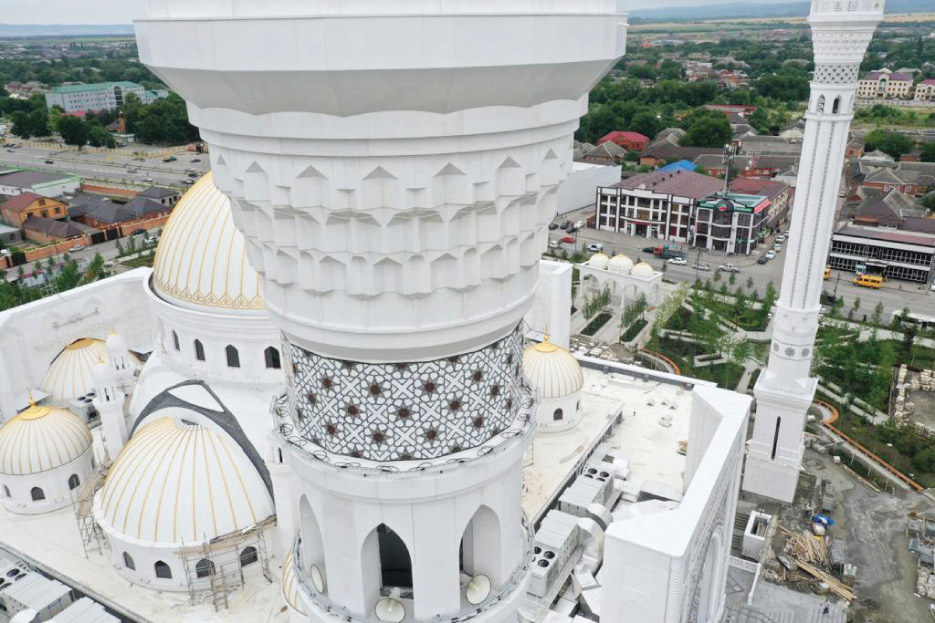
707 129
100 137
928 152
74 131
877 317
892 143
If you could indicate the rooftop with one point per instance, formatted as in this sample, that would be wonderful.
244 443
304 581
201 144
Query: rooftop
30 179
680 183
53 228
889 235
99 86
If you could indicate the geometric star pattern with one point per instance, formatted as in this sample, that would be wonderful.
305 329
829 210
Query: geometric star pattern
405 411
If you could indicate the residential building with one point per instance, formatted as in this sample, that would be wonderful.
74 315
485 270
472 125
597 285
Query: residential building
855 148
24 206
10 234
631 141
779 193
654 205
885 84
100 96
906 253
925 91
39 229
606 153
667 149
16 181
912 178
104 214
731 223
166 196
766 165
732 108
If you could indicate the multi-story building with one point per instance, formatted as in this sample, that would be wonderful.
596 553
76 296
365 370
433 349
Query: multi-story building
905 254
925 91
885 84
27 205
101 96
779 193
731 223
654 205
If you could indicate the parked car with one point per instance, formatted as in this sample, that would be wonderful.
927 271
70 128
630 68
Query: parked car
195 160
187 181
138 232
169 159
78 247
763 259
50 162
781 238
565 224
150 240
571 229
554 244
595 247
148 180
771 255
568 240
649 250
729 268
553 226
579 224
701 266
678 261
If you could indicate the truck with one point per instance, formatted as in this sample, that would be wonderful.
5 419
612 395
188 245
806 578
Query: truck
665 252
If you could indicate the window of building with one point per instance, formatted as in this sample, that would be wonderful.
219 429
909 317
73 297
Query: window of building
199 351
557 415
73 482
776 437
6 491
175 341
162 570
272 358
204 568
248 556
37 494
233 357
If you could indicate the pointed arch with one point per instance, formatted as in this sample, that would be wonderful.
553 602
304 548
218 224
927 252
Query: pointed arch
385 561
313 546
481 547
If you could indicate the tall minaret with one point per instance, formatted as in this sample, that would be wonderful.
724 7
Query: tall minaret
841 30
393 165
108 401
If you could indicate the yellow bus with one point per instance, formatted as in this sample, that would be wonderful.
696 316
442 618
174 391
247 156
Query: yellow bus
869 281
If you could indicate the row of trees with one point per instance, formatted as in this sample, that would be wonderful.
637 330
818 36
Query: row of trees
68 276
97 66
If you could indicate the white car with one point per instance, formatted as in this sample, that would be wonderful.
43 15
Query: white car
595 247
702 266
728 268
678 261
554 244
771 255
78 247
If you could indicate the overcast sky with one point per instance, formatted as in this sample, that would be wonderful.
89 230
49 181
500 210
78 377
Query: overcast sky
124 11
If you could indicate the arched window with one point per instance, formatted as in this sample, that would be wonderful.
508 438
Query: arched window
386 561
248 556
37 494
820 106
162 570
175 341
480 546
557 415
233 357
836 108
6 491
204 568
128 562
272 358
199 351
73 482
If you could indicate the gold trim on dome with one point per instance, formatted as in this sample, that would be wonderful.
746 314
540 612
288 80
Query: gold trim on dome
41 439
201 258
84 342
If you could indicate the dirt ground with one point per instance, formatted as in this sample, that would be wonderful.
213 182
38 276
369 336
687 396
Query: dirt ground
874 528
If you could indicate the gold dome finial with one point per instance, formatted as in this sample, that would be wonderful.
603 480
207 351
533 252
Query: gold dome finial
32 400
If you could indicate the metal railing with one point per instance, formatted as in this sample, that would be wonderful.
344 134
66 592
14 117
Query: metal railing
323 603
847 6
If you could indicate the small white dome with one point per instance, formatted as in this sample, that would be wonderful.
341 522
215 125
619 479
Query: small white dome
70 374
201 259
599 261
552 370
290 585
101 374
177 482
42 438
620 264
643 271
116 345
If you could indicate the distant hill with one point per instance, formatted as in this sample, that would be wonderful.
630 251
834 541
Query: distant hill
796 8
16 31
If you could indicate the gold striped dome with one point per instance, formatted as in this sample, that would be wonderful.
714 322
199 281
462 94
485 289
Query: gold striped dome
201 259
177 482
552 370
599 260
620 264
42 438
643 271
290 585
69 375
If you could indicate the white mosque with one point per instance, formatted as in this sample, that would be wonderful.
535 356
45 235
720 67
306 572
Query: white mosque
322 402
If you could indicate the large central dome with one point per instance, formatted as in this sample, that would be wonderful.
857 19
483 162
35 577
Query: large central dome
201 259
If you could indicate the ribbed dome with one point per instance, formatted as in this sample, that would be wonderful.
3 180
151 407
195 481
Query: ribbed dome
290 585
201 259
643 271
599 261
177 482
552 370
69 375
620 264
42 438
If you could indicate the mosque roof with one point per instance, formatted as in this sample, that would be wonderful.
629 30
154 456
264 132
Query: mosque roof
643 271
177 482
40 439
620 263
201 259
552 370
70 373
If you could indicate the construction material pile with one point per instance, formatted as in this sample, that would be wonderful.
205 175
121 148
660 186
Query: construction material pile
806 558
925 583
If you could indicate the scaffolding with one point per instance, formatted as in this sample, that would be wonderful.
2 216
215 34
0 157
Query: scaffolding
92 537
215 568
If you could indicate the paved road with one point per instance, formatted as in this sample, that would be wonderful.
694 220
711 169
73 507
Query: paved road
894 296
107 166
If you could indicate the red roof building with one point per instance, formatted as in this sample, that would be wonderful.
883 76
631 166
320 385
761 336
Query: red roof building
628 140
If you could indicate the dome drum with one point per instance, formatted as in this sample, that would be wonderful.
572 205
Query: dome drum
45 457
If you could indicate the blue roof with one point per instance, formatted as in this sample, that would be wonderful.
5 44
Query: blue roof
681 165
